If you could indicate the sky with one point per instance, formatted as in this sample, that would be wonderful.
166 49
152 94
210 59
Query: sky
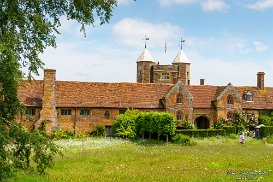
225 40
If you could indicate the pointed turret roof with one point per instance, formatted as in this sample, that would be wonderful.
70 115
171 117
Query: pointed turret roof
181 58
145 56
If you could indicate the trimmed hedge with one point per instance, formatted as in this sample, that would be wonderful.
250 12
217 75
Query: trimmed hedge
229 130
266 131
201 133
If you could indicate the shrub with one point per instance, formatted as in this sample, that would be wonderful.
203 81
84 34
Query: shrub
182 139
187 124
229 130
202 133
266 118
218 124
232 136
60 134
266 131
269 140
98 131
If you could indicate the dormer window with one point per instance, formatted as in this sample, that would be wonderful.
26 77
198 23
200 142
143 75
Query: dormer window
230 100
179 115
165 76
30 111
179 99
249 96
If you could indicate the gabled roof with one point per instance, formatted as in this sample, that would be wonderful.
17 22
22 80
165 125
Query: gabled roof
31 93
145 56
229 89
181 58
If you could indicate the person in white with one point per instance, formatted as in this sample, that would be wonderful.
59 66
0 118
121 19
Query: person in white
242 138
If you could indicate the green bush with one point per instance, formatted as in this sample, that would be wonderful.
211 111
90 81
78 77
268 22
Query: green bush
266 118
202 133
232 136
218 125
266 131
98 131
182 139
269 140
229 130
60 134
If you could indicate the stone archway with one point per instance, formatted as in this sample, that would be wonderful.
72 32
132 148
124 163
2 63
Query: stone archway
202 122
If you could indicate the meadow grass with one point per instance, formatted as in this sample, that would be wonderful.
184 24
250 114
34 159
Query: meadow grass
211 159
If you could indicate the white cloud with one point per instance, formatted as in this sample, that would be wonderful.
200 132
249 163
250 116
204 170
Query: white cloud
130 31
214 5
261 5
164 3
259 46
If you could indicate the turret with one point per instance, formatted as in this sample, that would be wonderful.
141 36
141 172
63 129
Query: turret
183 63
144 66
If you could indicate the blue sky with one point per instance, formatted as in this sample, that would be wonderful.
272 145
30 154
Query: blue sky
226 41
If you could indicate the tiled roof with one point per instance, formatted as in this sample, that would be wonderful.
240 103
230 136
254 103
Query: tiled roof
133 95
31 93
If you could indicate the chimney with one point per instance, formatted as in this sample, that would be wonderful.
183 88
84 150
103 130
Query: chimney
202 81
49 112
260 80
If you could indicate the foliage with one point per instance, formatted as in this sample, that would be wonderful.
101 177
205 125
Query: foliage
266 118
124 124
202 133
229 130
269 140
61 134
187 124
182 139
218 125
26 29
232 136
266 131
98 131
239 122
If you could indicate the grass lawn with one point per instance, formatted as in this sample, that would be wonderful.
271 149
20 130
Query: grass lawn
211 159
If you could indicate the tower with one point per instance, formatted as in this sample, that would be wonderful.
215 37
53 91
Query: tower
144 65
183 64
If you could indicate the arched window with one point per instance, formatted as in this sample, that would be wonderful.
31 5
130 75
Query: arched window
249 96
179 115
230 99
107 115
179 99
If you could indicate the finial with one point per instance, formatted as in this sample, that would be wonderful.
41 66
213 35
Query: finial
181 43
146 39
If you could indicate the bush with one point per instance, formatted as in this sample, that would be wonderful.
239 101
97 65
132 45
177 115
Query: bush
266 118
202 133
98 131
232 136
218 124
182 139
229 130
266 131
60 134
269 140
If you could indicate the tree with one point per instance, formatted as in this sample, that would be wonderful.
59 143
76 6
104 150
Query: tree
26 29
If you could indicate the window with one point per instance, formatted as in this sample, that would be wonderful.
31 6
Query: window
107 115
122 111
65 111
165 76
179 99
249 96
85 112
230 116
229 99
179 115
30 111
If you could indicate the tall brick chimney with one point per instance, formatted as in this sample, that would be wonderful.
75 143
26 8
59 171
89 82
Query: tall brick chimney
202 81
260 80
49 112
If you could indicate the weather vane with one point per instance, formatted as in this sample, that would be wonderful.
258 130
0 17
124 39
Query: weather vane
182 43
146 39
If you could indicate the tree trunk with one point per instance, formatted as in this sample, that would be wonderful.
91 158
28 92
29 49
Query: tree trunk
158 136
150 135
167 139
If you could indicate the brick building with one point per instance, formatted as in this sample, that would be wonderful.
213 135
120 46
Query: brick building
79 106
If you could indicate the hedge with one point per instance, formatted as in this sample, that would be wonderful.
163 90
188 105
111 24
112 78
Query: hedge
229 130
201 133
266 131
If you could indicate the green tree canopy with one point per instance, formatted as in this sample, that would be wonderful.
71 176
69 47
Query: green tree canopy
27 27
